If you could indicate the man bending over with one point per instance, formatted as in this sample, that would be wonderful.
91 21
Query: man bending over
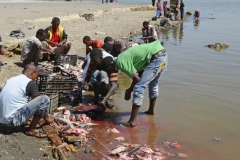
151 59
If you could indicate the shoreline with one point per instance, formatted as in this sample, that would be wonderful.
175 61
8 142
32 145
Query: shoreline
107 22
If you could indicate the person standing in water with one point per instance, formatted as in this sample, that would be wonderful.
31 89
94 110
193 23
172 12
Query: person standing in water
151 59
182 9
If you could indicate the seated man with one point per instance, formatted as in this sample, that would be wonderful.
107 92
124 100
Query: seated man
106 82
95 43
91 73
149 33
33 46
151 59
153 22
57 37
119 46
165 22
3 51
19 101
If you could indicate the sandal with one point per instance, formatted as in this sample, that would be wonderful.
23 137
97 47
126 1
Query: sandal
9 54
38 134
110 105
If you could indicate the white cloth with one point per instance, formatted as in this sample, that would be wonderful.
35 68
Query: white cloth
13 97
84 74
27 46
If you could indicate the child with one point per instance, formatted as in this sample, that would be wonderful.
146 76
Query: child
159 8
165 8
91 43
149 33
196 14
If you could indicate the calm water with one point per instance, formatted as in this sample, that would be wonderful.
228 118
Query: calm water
199 94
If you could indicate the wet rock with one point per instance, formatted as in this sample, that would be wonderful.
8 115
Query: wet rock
189 13
100 33
217 46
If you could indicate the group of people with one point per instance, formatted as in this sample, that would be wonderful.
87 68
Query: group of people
46 44
143 63
20 99
166 11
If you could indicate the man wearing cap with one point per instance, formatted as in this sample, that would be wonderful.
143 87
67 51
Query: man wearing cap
151 59
57 37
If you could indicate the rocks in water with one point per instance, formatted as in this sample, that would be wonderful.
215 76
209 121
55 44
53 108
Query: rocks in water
100 33
189 13
212 18
218 46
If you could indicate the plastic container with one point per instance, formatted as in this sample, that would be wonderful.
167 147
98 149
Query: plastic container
54 100
66 59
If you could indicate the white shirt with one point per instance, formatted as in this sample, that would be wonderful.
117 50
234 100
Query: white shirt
27 46
84 74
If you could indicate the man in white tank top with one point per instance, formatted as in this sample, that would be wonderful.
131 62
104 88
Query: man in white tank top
20 100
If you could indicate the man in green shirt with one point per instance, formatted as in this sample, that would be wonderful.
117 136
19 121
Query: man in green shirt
151 59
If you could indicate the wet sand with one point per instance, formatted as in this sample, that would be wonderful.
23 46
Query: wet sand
111 19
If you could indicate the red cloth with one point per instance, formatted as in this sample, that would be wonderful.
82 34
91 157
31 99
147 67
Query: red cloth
159 6
55 37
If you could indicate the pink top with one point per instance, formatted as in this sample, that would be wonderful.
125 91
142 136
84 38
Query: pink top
159 6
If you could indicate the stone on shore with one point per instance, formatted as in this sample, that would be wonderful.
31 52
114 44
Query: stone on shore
100 33
14 45
218 46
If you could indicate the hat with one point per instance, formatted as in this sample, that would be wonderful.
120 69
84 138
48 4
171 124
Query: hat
106 62
107 47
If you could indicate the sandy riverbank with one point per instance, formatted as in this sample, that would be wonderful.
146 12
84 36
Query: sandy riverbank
112 19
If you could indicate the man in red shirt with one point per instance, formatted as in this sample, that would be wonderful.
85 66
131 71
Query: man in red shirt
95 43
57 37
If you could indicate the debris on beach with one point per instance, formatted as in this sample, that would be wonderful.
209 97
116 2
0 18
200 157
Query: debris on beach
217 139
113 130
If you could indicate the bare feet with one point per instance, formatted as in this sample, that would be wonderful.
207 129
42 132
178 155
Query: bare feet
129 124
149 112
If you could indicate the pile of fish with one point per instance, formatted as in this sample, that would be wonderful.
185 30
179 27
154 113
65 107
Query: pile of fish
72 127
126 151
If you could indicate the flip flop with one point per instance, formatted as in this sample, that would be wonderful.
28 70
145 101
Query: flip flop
38 134
110 105
9 54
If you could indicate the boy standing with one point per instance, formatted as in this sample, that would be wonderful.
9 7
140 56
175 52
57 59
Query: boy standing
159 8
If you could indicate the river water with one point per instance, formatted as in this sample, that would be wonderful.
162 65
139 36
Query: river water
200 92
